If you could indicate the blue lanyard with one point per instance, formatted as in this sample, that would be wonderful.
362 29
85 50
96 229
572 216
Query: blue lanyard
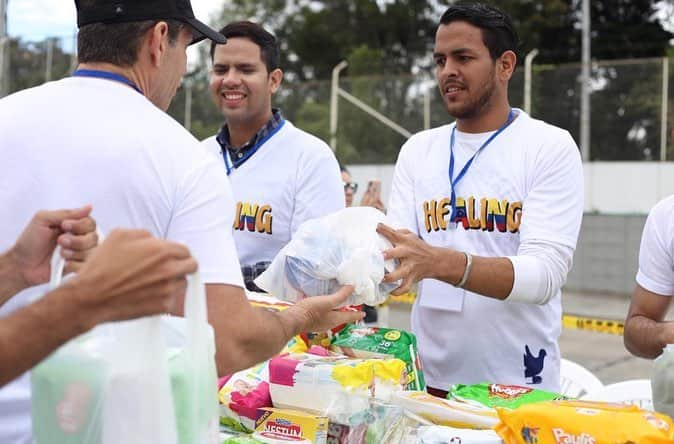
231 166
106 75
454 181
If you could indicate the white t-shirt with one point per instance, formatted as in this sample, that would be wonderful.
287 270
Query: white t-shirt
656 254
83 140
521 198
291 178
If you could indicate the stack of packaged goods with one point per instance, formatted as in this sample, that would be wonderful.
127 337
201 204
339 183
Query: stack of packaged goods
365 385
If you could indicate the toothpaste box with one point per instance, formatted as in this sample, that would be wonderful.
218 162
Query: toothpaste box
292 423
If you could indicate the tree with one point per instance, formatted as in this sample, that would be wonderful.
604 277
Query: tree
394 38
27 64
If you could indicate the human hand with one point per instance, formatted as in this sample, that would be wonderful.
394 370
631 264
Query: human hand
372 196
321 313
417 259
132 274
368 201
73 229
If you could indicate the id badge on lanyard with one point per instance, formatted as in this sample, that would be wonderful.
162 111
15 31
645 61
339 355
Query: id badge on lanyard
435 294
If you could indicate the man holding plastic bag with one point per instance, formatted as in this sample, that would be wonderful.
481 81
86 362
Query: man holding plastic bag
490 210
111 144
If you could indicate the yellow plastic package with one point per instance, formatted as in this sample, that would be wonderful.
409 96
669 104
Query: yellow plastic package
583 422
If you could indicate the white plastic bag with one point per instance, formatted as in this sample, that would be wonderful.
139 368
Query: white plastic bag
342 248
662 381
146 380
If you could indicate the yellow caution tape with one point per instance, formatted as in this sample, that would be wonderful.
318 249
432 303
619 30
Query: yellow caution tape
407 298
599 325
571 322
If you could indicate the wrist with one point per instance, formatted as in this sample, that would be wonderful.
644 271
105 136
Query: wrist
11 274
62 307
664 335
292 323
449 265
73 297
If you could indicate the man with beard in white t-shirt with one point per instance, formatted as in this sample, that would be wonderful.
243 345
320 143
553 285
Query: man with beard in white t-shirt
488 210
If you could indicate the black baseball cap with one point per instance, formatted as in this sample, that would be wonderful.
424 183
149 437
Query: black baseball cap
124 11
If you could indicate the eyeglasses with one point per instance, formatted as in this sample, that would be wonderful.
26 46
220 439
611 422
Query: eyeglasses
353 186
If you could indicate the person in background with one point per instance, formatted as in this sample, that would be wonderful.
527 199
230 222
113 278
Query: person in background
130 275
488 209
350 187
647 331
112 144
280 175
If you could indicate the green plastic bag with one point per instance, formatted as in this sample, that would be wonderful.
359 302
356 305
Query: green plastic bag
501 395
134 382
374 342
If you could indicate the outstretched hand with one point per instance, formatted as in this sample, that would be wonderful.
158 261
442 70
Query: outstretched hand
321 313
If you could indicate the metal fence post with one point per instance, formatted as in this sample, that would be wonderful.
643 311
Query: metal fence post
528 62
334 98
663 109
427 108
188 105
4 65
4 50
50 59
585 85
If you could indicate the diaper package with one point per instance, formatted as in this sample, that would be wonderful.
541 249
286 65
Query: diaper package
500 395
374 342
329 252
346 385
553 422
242 395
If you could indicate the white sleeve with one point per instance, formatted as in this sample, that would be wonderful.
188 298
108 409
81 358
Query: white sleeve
319 190
540 271
401 207
656 265
203 219
552 212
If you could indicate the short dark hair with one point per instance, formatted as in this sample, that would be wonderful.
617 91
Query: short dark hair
118 43
498 32
269 48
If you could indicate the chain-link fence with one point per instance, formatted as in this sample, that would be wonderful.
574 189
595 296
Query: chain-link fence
632 109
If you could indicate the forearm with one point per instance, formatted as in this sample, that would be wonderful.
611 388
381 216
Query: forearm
11 280
261 335
30 334
645 337
534 276
489 276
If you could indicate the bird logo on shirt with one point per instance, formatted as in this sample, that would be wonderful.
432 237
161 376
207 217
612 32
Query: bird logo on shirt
533 365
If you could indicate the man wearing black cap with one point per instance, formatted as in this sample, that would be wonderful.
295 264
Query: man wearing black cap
101 137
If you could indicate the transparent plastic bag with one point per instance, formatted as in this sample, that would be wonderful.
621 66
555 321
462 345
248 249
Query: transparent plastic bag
662 381
326 253
145 380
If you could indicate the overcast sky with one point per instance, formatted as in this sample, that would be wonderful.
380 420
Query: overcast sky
38 19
